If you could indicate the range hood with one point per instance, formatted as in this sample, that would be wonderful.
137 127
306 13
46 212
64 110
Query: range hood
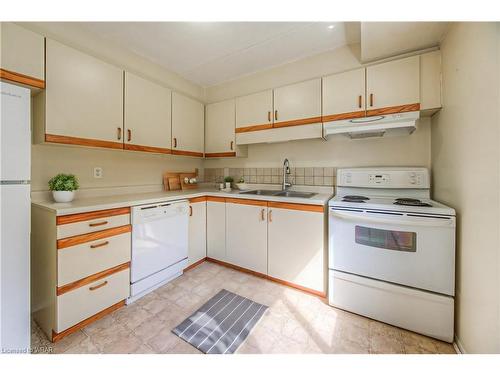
374 126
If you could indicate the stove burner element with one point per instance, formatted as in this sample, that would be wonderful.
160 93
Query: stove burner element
411 202
355 198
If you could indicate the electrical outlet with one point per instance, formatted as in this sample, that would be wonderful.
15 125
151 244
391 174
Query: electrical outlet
97 172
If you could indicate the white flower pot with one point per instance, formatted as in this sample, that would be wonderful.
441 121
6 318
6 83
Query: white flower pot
228 185
63 196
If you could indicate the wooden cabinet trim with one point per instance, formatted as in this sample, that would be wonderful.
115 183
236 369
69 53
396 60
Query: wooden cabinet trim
195 264
187 153
158 150
52 138
88 237
297 206
90 279
270 278
22 79
74 218
304 121
216 199
253 128
395 109
343 116
58 336
197 199
249 202
220 154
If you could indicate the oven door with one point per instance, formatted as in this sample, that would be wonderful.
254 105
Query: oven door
409 249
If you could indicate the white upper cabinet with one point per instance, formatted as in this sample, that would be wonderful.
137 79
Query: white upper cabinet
344 95
220 130
83 98
430 80
300 103
188 124
255 110
21 52
246 235
391 84
147 111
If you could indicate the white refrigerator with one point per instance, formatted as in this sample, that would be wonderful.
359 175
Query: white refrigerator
15 152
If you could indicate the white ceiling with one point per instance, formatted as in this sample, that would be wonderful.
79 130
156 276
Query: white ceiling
385 39
209 53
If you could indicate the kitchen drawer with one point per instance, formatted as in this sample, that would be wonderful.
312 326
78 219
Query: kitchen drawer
83 302
97 223
79 261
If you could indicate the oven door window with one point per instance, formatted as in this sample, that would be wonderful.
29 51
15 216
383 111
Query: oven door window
386 239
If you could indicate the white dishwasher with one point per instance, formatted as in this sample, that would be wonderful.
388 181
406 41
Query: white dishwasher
159 245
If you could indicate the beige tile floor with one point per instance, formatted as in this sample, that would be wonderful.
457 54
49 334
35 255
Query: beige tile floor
296 322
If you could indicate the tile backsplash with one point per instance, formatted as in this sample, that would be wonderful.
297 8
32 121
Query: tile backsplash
315 176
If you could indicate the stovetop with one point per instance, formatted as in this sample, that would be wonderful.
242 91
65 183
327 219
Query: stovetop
390 203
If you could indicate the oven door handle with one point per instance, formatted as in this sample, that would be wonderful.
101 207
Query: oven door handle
397 220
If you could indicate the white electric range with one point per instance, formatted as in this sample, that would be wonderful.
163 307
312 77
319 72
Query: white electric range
392 250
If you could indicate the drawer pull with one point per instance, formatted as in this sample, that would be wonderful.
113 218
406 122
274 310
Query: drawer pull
99 245
92 288
98 224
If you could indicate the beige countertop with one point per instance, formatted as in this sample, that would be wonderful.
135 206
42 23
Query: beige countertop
87 204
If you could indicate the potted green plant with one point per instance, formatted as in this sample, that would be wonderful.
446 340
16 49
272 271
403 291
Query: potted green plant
228 180
63 187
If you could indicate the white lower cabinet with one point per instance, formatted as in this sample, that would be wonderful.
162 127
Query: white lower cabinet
296 239
216 228
197 230
246 234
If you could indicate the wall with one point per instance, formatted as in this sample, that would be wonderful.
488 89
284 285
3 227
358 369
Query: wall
121 168
466 175
338 150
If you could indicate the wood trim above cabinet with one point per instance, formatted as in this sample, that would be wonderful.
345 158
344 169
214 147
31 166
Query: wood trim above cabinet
88 237
395 109
158 150
216 199
187 153
74 218
22 79
303 121
90 279
343 116
197 199
52 138
253 128
297 206
220 154
248 202
58 336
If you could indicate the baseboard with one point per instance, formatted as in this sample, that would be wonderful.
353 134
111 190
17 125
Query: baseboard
457 344
195 264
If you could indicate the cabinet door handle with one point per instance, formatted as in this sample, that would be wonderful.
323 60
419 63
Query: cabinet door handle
119 133
262 213
371 100
190 210
276 115
129 135
269 116
360 101
92 288
99 245
98 224
175 142
270 216
232 144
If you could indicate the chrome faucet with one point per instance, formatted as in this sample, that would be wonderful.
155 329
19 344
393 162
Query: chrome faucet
286 170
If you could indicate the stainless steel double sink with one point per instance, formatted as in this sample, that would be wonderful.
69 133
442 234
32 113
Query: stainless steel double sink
280 193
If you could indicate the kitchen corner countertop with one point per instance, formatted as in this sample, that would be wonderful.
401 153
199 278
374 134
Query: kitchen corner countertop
128 200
